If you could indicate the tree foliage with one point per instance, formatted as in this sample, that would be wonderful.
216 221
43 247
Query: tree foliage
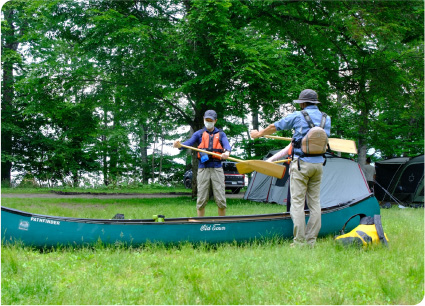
103 87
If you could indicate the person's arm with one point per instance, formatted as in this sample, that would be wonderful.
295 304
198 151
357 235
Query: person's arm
271 129
226 146
279 154
285 123
190 142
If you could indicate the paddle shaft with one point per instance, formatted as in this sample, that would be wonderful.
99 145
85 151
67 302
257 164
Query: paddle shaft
282 161
278 137
248 166
229 158
336 144
211 153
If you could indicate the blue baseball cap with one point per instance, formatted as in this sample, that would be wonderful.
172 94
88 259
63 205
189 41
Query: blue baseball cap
210 114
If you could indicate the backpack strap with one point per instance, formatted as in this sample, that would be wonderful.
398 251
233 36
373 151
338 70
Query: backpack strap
311 125
343 228
297 144
308 119
323 121
322 125
380 229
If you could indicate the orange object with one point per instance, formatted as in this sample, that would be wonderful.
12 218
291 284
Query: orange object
211 143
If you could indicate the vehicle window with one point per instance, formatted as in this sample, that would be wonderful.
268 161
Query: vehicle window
230 168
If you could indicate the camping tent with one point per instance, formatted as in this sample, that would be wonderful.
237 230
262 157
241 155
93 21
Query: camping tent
342 181
385 172
264 188
408 182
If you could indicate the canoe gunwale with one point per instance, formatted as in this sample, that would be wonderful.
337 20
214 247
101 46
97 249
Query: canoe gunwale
186 220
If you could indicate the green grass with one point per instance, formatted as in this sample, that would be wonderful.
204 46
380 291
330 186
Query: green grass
253 273
133 208
152 188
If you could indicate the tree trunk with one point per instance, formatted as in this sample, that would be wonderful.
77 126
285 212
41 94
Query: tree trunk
75 179
364 122
255 126
194 169
7 99
161 157
113 151
105 149
144 152
153 157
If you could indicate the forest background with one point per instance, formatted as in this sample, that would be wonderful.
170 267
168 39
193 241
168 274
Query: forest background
95 90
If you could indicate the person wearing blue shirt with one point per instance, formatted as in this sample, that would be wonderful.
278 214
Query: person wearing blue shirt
210 171
305 171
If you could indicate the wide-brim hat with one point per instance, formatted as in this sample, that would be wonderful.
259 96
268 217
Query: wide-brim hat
307 95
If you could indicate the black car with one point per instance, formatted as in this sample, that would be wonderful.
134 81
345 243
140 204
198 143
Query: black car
233 180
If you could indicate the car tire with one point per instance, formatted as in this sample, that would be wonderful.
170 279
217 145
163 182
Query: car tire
235 190
188 183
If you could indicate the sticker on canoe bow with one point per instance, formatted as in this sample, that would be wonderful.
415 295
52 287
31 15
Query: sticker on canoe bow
214 227
47 221
23 225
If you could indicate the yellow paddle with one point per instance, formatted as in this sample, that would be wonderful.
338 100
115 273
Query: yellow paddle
281 161
247 166
336 144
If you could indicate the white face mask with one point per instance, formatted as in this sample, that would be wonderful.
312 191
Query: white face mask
208 125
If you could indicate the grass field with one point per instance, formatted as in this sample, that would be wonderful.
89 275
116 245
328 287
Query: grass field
253 273
152 188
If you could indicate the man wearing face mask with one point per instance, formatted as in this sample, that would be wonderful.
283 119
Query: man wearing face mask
210 171
305 169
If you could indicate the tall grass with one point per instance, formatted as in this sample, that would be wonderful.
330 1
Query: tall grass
133 208
267 272
151 188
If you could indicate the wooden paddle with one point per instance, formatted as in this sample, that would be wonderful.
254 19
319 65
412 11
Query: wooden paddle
282 161
247 166
336 144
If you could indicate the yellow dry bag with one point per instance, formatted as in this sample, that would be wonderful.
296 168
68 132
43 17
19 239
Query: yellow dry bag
368 232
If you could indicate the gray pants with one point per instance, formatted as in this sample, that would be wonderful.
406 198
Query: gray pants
211 177
306 183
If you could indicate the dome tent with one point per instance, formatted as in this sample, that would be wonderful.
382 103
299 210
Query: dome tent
408 182
342 181
385 173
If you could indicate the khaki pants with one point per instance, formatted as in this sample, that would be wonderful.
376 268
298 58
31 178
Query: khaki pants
305 183
214 177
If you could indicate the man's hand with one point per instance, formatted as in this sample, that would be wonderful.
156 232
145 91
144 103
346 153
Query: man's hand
225 155
267 131
254 134
177 144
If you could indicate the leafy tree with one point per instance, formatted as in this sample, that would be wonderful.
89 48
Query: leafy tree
360 52
13 28
93 86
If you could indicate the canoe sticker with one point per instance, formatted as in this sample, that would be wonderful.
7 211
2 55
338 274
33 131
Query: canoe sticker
23 225
47 221
214 227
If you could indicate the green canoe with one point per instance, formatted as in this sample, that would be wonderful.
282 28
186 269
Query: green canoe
47 231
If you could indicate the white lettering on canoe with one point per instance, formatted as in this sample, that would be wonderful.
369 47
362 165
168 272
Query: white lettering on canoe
47 221
23 225
214 227
217 227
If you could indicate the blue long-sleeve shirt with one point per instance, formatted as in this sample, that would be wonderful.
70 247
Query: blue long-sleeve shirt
297 122
196 139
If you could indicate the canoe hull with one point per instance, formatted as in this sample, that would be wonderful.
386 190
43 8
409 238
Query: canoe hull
49 231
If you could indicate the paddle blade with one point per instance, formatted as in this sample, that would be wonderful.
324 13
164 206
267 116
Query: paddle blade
261 166
343 145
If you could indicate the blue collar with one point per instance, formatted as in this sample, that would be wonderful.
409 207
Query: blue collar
216 130
311 107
